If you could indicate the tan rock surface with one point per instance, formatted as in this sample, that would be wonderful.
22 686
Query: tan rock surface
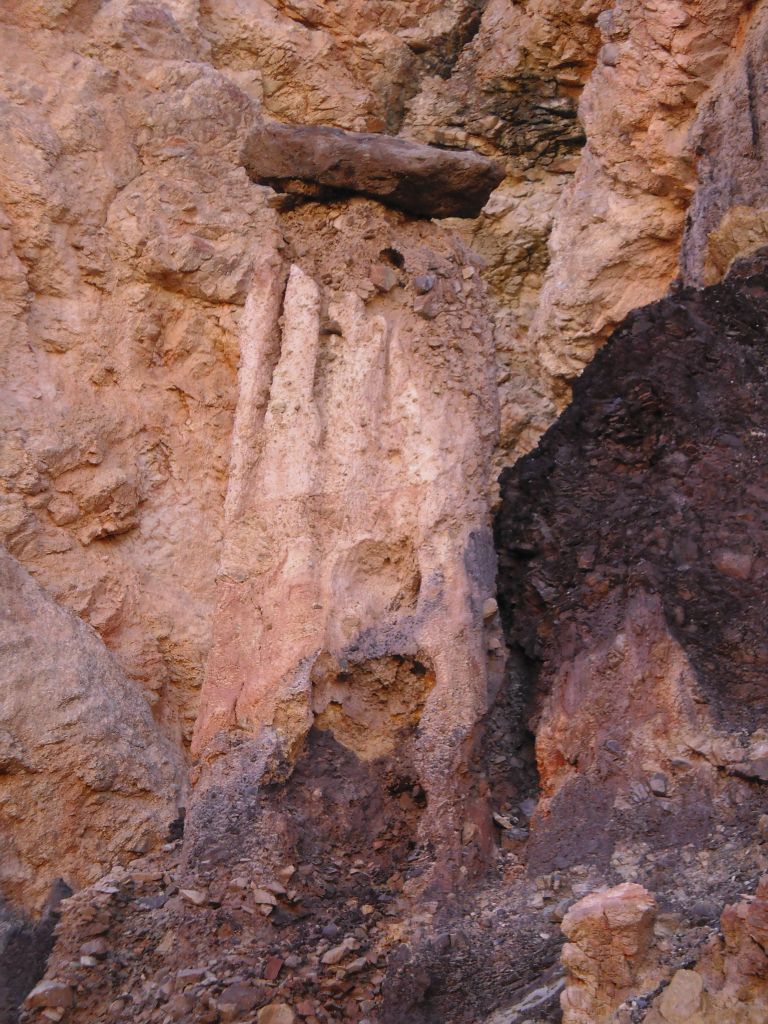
86 777
256 447
129 240
619 227
130 236
514 94
353 65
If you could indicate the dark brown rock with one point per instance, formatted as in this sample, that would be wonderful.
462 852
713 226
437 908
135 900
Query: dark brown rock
657 469
422 180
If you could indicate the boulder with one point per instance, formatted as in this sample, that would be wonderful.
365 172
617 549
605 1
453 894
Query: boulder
607 956
421 180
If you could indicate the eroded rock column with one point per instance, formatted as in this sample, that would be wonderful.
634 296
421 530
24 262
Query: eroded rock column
358 556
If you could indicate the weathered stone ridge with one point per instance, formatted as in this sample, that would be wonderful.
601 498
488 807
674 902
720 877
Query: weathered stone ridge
357 517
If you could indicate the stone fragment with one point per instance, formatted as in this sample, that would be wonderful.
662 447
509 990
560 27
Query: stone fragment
238 999
422 180
336 954
194 896
50 994
607 956
355 966
264 897
63 509
179 1006
736 564
275 887
384 278
276 1013
189 976
96 947
424 283
704 912
658 784
426 306
528 807
272 968
682 997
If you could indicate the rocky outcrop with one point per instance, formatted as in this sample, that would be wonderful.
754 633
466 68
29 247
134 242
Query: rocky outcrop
637 175
251 442
607 956
619 969
129 237
727 217
353 65
631 546
422 180
730 979
77 744
357 515
650 769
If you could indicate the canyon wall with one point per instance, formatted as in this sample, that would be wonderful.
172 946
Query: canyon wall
284 284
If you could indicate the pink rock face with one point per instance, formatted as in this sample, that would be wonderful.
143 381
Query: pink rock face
357 526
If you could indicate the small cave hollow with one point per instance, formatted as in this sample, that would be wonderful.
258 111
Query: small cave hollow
373 707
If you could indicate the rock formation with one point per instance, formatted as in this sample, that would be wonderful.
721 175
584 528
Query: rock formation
616 947
609 938
324 162
653 591
284 284
87 777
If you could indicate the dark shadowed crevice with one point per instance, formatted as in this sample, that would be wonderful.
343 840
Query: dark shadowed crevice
25 946
442 56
